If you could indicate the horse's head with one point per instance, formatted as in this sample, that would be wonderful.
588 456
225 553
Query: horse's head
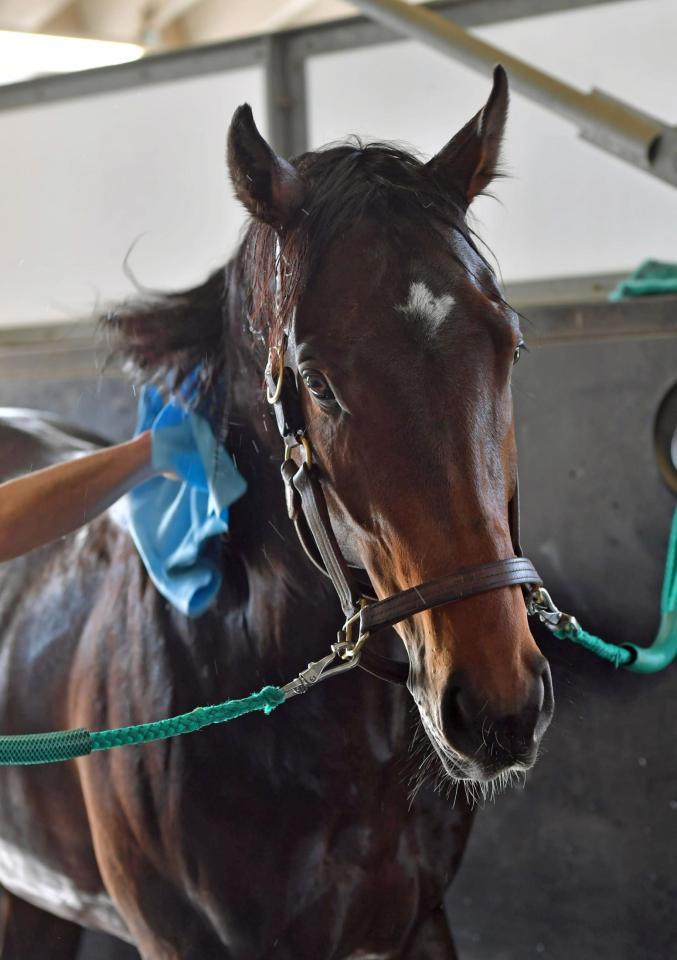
405 347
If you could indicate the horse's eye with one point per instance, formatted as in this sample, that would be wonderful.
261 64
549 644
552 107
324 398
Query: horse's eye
318 386
518 350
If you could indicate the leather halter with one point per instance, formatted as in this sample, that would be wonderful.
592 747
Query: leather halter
307 509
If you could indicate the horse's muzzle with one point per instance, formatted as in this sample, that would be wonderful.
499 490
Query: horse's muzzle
492 742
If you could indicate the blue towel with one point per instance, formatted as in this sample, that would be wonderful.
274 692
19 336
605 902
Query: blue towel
176 524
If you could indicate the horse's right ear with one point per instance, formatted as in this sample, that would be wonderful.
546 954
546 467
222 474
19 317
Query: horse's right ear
268 186
469 162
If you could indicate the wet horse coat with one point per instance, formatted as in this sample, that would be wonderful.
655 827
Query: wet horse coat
273 821
294 836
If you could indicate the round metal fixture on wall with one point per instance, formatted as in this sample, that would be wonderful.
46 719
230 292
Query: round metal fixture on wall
665 438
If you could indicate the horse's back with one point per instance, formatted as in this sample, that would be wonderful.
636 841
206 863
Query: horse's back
32 439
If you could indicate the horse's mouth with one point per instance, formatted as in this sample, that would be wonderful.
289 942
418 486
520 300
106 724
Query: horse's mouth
482 777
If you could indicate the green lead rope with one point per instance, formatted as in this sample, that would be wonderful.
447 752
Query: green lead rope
67 744
663 650
618 656
669 592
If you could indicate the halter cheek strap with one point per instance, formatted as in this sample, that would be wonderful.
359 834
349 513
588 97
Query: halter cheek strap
307 508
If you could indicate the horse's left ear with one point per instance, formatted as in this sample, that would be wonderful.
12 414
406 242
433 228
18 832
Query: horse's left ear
469 162
269 187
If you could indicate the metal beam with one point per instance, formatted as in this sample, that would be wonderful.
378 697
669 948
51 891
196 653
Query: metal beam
358 32
645 318
285 97
304 42
57 351
629 134
562 291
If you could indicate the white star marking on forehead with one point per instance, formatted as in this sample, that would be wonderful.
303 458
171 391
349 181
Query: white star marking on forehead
424 304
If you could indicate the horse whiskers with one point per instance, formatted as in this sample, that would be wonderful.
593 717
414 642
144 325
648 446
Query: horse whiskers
421 777
479 792
445 771
422 750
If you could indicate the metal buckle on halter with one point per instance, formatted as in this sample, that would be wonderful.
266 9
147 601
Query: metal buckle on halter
540 604
273 395
283 396
319 670
351 647
301 441
345 654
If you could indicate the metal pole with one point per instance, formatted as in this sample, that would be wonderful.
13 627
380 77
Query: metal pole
610 124
285 96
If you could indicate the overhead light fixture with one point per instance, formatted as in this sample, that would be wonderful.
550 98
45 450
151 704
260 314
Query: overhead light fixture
27 55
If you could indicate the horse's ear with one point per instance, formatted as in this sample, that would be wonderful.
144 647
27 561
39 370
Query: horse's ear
268 186
469 162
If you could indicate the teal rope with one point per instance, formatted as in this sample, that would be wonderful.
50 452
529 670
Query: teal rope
618 656
44 747
66 744
669 591
663 650
59 745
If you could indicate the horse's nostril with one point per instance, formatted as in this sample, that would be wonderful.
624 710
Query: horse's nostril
547 705
539 694
468 708
473 728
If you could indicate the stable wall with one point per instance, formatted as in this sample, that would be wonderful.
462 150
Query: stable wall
138 174
566 207
84 181
582 863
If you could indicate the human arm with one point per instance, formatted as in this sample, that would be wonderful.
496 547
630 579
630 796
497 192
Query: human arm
43 506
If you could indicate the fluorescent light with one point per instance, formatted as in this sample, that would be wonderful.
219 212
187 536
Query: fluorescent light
26 55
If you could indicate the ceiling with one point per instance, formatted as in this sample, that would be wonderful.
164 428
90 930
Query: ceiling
165 24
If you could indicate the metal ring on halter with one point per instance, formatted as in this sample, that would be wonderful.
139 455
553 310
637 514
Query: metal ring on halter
307 450
277 393
350 648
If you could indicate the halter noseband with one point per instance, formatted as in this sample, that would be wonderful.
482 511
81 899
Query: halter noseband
307 509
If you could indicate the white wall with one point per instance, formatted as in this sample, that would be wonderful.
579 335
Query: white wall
568 208
81 180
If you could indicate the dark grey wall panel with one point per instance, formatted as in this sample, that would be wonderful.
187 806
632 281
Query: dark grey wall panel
583 863
103 404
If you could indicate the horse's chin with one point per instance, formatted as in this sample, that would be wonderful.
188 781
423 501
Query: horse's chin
480 780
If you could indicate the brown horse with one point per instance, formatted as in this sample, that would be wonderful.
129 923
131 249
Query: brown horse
294 836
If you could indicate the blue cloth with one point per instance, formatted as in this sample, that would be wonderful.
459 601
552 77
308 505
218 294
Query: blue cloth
176 524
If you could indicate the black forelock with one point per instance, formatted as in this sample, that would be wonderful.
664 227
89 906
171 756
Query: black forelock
344 183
